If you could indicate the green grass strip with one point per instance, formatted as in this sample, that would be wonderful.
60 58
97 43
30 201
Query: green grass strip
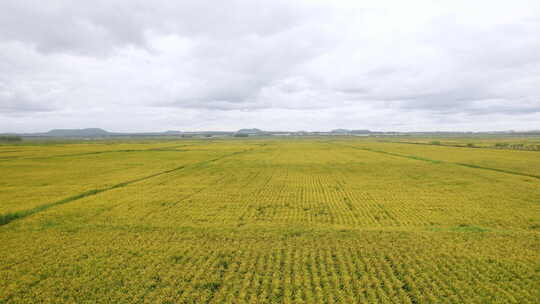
446 162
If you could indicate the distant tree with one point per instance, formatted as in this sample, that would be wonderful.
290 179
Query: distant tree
435 142
10 138
517 146
471 145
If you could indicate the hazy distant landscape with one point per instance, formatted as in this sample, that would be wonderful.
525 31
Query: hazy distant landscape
101 133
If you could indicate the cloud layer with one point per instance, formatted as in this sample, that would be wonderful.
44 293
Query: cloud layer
156 65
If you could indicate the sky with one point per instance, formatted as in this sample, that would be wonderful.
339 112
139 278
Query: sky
137 65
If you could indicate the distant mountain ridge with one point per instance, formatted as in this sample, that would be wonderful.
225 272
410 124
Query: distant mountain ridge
101 133
89 132
346 131
250 131
97 132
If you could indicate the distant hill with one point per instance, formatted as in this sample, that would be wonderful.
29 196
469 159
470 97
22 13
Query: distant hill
97 132
361 132
89 132
172 132
249 131
341 131
345 131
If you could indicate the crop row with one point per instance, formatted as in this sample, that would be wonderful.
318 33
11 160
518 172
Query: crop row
212 267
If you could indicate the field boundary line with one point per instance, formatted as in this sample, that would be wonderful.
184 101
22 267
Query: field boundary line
455 146
435 161
9 217
168 148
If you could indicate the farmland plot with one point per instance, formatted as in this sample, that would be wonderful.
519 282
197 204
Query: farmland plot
526 163
282 221
29 182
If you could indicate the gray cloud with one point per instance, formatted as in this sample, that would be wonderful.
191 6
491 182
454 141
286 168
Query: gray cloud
15 103
98 27
303 65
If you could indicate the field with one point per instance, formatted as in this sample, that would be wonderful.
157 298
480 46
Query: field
261 220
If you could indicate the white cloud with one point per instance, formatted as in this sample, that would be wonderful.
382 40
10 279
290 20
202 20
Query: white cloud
387 65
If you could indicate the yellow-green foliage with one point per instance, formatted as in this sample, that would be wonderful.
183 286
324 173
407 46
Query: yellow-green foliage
498 142
525 162
270 221
54 172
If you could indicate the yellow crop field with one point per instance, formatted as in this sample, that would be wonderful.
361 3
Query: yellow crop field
300 220
515 161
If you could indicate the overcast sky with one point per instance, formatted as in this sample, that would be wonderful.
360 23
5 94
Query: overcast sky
274 65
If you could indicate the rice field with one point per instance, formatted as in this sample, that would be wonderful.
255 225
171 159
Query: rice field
318 220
